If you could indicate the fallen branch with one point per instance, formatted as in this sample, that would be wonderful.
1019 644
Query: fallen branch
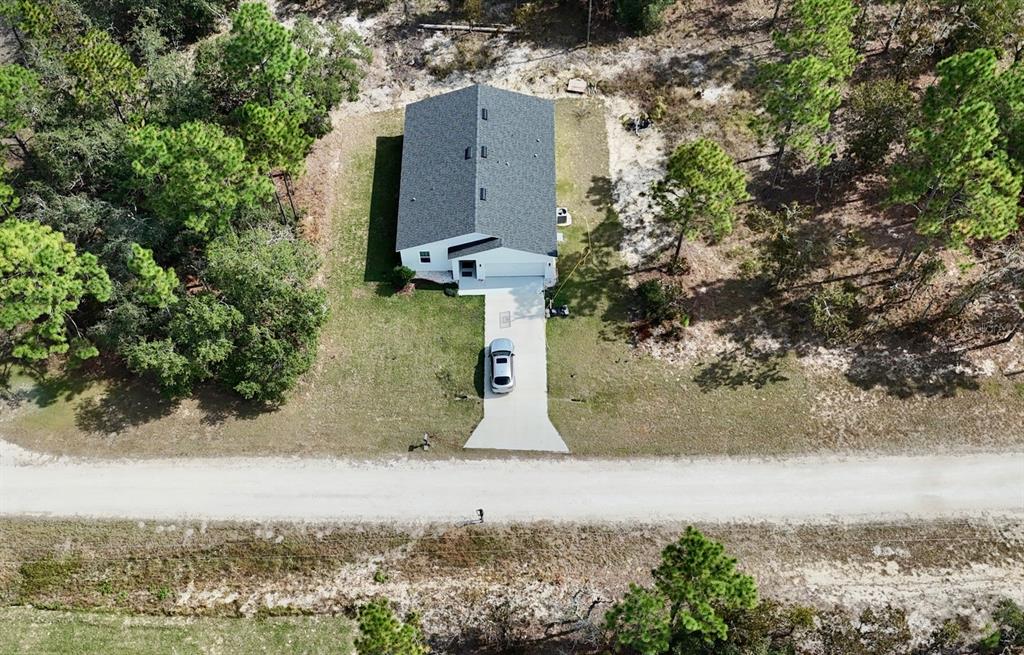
492 29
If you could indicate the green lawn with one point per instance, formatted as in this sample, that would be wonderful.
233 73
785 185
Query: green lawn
390 367
27 631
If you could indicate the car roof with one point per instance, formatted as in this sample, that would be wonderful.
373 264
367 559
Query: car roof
502 344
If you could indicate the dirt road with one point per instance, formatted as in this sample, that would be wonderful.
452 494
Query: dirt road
803 489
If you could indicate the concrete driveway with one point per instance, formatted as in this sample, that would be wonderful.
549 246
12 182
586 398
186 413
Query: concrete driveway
514 309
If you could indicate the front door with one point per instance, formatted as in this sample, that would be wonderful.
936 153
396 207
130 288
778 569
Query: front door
467 268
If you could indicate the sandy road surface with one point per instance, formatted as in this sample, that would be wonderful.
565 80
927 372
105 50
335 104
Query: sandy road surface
799 489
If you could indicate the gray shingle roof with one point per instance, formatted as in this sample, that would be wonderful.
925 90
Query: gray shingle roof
440 193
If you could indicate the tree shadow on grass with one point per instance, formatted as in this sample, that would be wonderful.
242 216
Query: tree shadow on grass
742 367
126 403
905 367
382 226
594 278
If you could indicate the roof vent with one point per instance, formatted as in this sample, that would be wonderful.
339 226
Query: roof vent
483 151
483 193
468 151
483 113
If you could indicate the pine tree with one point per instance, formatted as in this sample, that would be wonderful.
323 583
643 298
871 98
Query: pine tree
19 89
695 587
801 91
155 286
699 191
195 175
260 55
42 281
104 73
27 18
958 172
382 633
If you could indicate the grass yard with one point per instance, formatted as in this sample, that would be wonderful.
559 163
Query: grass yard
607 399
28 631
390 367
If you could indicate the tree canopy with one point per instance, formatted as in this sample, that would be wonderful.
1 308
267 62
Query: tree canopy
699 191
155 165
42 280
195 175
958 172
383 633
801 91
694 586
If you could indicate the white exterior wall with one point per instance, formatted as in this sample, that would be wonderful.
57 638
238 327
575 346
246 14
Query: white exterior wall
502 262
438 253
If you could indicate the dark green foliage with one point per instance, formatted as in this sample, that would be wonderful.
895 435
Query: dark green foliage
696 587
699 192
659 302
958 172
383 633
1008 632
195 176
265 276
835 311
880 114
180 21
400 276
996 24
788 248
801 91
142 161
334 69
771 628
200 336
643 16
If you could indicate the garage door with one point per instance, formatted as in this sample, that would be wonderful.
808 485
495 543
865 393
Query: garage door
513 270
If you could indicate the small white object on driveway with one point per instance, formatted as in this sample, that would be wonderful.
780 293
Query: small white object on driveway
514 309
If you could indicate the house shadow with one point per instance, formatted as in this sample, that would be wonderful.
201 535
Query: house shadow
382 227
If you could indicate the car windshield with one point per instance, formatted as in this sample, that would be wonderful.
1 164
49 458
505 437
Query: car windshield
502 380
501 360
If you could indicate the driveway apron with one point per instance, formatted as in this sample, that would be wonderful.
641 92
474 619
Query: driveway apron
514 309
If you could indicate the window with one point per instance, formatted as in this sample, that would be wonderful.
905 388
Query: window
483 113
483 193
483 151
424 256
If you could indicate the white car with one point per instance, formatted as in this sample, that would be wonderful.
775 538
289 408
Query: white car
502 375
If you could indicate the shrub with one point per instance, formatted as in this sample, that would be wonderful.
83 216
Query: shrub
835 311
643 16
659 302
880 114
400 276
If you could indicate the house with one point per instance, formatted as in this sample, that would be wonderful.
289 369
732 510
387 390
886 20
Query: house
477 197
